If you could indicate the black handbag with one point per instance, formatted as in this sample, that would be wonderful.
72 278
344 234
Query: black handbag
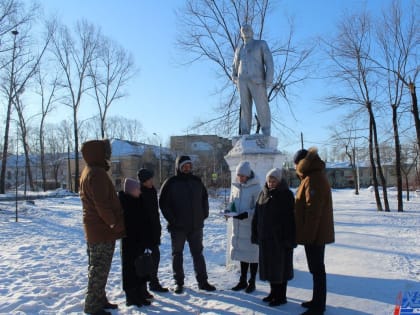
144 264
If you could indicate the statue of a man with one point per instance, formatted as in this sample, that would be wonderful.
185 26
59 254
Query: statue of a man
253 72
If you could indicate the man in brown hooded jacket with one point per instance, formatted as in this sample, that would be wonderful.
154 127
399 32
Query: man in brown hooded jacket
102 220
314 222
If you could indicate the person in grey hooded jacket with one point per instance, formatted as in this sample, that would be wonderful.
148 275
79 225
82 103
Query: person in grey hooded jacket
244 195
184 204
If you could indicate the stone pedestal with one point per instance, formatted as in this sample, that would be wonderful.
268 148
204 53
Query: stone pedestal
261 152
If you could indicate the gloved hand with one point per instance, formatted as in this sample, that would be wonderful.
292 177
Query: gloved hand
241 216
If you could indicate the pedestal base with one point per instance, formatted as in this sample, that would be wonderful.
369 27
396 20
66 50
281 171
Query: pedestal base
260 151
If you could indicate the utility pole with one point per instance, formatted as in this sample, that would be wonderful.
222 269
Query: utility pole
301 140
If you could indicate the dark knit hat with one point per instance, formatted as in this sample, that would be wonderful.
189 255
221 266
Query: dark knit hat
130 184
144 174
181 161
300 155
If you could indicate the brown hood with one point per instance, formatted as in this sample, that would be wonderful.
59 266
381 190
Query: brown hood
312 162
97 153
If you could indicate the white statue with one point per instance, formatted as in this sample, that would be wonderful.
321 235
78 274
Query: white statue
253 72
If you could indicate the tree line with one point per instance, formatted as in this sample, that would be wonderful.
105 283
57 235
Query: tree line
46 65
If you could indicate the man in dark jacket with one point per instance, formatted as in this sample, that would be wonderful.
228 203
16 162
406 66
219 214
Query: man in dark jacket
102 220
184 204
314 222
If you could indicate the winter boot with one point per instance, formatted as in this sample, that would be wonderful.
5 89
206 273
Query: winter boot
132 298
206 286
251 286
157 287
102 312
313 312
179 288
110 306
279 296
270 296
242 284
144 295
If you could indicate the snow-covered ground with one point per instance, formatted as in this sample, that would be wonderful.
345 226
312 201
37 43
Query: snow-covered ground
43 263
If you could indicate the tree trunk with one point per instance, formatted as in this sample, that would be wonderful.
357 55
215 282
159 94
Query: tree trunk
76 151
373 168
28 166
378 157
407 187
42 156
397 158
415 110
5 149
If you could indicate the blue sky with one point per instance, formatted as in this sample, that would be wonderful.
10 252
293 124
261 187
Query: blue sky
167 97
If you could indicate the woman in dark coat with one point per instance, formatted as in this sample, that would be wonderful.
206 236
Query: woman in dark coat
149 204
138 238
273 229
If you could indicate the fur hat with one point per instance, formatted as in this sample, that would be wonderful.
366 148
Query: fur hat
130 184
181 161
274 172
144 175
299 155
244 168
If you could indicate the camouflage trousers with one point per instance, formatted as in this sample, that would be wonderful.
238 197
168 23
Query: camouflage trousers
100 259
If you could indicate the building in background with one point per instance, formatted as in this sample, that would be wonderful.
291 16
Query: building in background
207 153
129 156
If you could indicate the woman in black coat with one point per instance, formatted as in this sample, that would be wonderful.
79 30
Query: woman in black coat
149 204
273 229
138 238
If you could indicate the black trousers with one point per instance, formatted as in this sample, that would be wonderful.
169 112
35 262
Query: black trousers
129 253
315 258
195 242
154 279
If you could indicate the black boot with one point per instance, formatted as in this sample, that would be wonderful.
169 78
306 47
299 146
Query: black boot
242 284
270 296
251 286
179 288
132 298
157 287
251 283
143 294
278 293
206 286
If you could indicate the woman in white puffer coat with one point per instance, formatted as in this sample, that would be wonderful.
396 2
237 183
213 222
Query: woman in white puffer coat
244 195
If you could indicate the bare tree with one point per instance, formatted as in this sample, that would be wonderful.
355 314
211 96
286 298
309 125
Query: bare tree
47 90
55 147
396 37
110 72
74 52
399 35
346 137
409 159
125 129
350 52
24 132
209 30
26 56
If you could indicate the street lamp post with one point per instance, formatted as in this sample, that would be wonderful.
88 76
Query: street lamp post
160 159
